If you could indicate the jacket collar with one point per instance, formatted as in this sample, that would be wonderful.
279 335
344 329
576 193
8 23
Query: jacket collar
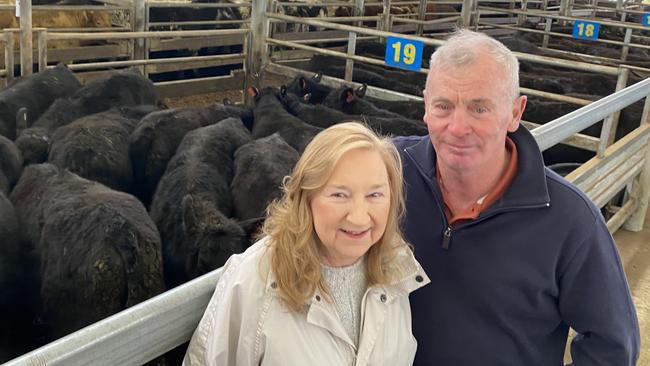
528 188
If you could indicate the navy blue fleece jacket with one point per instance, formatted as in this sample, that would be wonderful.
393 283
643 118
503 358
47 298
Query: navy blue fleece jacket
510 284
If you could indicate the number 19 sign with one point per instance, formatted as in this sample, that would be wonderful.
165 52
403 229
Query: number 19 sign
586 30
404 53
646 19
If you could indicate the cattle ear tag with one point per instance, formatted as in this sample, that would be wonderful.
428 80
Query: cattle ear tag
227 101
349 96
318 76
252 91
361 91
306 97
283 90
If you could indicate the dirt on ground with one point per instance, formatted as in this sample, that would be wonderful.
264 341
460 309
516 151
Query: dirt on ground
202 100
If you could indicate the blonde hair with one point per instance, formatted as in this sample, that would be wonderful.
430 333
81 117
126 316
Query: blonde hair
295 260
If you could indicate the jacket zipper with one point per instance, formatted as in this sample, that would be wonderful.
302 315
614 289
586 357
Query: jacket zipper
446 238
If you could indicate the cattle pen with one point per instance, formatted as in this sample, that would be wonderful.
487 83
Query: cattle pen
270 52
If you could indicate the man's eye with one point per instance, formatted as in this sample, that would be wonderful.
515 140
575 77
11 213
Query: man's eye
479 109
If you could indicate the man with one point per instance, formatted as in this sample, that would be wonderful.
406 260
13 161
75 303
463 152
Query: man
516 255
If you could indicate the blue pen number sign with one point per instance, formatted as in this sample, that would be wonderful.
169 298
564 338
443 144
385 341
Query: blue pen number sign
404 53
586 30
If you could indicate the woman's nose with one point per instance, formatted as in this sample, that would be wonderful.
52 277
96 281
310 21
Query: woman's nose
358 214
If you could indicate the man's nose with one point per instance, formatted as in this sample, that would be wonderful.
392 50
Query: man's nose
458 124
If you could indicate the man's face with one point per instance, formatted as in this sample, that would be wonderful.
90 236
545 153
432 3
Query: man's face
468 112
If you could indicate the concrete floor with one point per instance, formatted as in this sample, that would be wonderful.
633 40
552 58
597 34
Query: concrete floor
635 253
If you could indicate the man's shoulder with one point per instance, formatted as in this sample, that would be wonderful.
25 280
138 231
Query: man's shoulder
566 196
403 142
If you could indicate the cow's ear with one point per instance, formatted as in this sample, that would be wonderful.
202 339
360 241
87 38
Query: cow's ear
349 95
283 90
361 91
303 83
252 91
190 214
317 77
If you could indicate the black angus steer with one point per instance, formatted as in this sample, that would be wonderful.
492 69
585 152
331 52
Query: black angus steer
11 165
99 250
272 117
120 88
18 288
96 147
302 85
260 167
33 94
155 139
192 203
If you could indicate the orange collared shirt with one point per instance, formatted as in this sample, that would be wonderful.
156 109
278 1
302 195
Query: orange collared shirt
485 201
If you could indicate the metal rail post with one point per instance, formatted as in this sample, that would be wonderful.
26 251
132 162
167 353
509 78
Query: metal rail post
641 186
358 10
257 56
9 55
42 49
421 16
466 13
608 131
140 11
547 31
385 16
626 44
26 56
564 10
521 18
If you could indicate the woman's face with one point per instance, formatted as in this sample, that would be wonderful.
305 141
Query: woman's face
350 212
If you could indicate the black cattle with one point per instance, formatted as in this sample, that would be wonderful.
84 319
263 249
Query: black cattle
323 116
99 250
192 203
96 147
272 117
302 85
18 288
347 101
121 88
401 81
260 167
193 14
11 164
34 93
155 139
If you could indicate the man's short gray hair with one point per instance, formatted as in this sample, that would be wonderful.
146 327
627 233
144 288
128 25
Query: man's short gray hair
462 49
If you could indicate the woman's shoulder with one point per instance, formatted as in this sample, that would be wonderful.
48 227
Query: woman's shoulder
249 267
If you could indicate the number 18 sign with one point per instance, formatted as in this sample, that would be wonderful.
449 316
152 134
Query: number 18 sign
404 53
586 30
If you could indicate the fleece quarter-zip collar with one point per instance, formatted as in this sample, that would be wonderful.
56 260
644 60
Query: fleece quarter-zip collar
528 188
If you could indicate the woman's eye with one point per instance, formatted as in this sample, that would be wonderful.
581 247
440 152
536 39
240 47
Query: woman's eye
375 195
338 195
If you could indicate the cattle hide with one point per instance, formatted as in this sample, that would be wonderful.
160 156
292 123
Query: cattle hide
99 250
96 147
260 167
155 139
272 117
11 165
192 203
35 93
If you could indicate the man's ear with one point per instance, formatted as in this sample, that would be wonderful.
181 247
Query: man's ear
518 106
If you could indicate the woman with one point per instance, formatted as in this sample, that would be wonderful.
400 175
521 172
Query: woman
329 282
